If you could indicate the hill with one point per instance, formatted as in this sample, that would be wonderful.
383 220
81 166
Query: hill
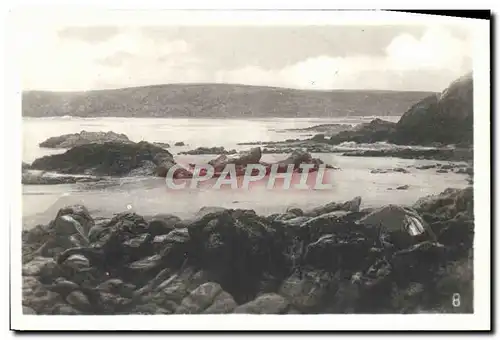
218 100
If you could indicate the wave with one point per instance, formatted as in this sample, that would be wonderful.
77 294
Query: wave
353 146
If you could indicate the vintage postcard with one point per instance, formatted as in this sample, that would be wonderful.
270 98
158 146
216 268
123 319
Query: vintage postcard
250 170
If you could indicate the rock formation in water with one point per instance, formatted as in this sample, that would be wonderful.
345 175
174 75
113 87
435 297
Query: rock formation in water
374 131
334 259
84 137
110 159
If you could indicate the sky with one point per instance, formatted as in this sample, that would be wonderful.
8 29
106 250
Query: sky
415 58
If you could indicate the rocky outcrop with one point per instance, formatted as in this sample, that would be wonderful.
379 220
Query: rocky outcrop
111 159
253 156
325 129
84 137
446 118
375 131
393 259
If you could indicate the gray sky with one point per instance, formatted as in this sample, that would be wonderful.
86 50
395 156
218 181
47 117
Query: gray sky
308 57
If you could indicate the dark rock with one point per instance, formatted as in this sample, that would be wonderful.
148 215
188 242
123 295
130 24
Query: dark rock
327 129
170 293
237 247
79 301
264 304
319 138
384 171
77 262
80 214
404 225
442 171
107 159
66 225
37 297
375 131
118 287
223 303
179 144
82 138
403 187
445 118
448 204
296 211
425 167
242 159
63 286
309 293
199 299
296 221
162 224
46 269
339 251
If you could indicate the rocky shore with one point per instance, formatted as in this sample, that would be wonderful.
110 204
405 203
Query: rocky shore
337 258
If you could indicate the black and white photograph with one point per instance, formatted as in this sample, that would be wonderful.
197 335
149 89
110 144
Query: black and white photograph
179 170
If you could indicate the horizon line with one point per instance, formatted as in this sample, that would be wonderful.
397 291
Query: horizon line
223 84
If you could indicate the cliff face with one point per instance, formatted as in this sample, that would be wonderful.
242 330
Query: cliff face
445 118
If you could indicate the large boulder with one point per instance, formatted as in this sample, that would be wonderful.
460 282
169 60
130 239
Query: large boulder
404 225
79 214
238 247
84 137
445 118
109 159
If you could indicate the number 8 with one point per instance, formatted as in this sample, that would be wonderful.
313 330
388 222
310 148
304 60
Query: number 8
456 300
